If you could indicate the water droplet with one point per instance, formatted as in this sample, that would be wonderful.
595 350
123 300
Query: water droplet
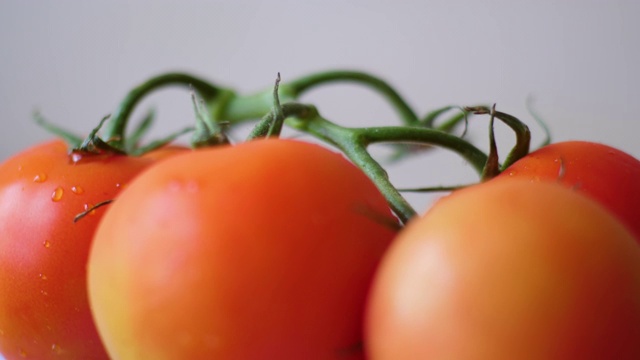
44 292
75 157
118 185
43 276
40 178
56 349
77 190
511 173
23 353
87 207
57 194
47 244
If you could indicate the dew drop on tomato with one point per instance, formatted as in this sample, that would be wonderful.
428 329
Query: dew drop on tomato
89 206
40 178
47 244
56 349
57 194
42 276
75 157
77 190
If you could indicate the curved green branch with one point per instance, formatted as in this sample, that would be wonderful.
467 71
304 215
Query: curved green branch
116 127
299 86
521 130
353 142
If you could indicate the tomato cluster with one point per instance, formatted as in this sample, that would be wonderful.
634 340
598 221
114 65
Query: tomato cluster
526 265
283 249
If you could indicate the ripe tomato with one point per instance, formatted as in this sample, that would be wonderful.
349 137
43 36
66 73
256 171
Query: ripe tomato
44 311
601 172
508 270
263 250
166 152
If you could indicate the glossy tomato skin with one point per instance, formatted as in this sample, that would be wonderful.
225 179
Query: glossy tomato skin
166 152
44 311
263 250
606 174
508 270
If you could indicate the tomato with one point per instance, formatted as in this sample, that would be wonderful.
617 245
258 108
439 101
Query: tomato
601 172
263 250
508 270
166 152
44 311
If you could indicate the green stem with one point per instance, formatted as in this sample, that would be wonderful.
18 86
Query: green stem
284 111
353 146
278 115
492 168
545 128
72 140
115 129
469 152
433 189
242 108
255 106
208 130
301 85
132 141
429 119
353 142
523 138
523 135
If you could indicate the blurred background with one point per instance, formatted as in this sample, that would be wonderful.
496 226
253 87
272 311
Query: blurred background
74 61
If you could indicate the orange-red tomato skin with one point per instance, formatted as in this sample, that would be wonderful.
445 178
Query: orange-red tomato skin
508 270
261 250
606 174
44 311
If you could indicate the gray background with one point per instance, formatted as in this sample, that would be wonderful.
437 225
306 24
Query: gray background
75 60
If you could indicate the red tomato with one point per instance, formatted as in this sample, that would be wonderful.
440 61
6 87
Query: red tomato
263 250
508 270
44 312
166 152
601 172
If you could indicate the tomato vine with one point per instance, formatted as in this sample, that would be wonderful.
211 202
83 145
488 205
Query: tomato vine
270 183
221 106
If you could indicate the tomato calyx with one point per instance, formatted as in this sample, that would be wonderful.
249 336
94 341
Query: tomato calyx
71 139
94 145
272 123
209 131
519 150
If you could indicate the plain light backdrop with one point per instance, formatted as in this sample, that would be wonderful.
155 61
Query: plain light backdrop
75 60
